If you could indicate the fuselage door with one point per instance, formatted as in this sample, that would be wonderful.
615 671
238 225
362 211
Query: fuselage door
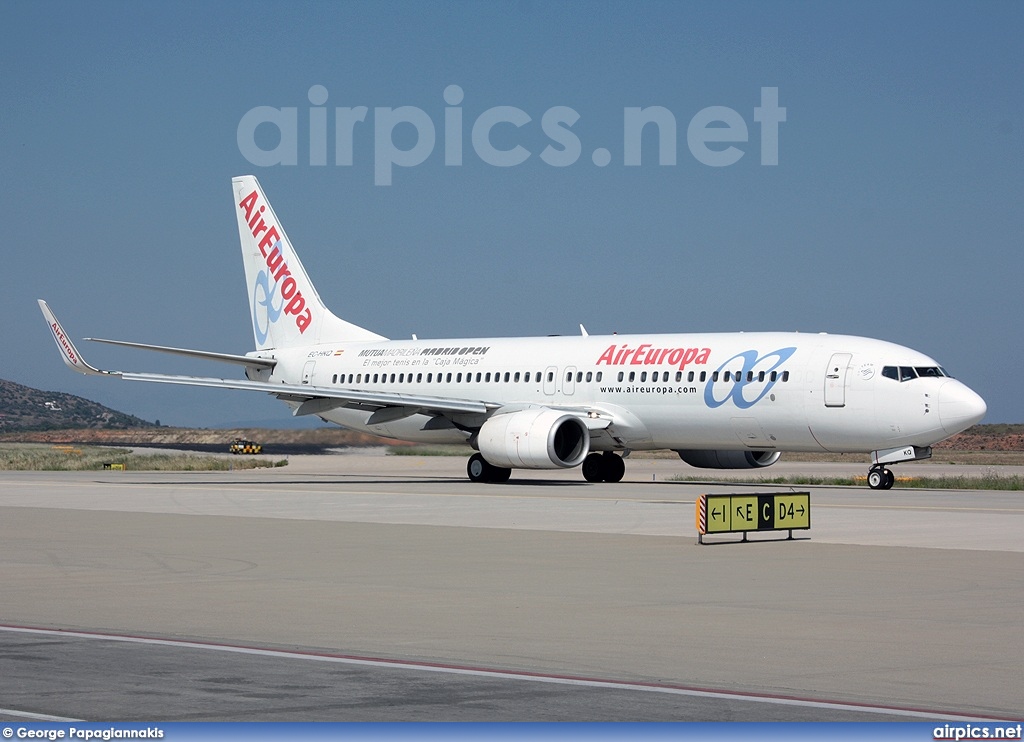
569 387
835 379
307 372
550 380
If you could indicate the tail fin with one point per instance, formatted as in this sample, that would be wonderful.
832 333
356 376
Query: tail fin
286 309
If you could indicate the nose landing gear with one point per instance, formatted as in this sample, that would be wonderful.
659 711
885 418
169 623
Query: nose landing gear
880 478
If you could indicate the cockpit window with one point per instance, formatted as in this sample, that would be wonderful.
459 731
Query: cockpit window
907 373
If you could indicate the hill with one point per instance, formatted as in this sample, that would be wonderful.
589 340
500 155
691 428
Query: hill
23 408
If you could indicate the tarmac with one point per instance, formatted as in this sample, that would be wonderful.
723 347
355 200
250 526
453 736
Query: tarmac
369 587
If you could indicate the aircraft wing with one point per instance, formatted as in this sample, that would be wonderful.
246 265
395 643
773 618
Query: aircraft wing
316 399
312 399
251 361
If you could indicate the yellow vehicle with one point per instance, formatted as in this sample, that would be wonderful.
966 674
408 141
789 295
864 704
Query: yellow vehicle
240 445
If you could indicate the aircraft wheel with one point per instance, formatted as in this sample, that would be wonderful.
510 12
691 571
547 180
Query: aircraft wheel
614 467
593 468
877 478
890 479
479 470
476 468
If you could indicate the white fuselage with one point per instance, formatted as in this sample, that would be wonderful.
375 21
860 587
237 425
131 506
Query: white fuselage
764 391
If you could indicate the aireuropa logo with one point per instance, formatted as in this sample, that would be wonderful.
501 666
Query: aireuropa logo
754 372
712 135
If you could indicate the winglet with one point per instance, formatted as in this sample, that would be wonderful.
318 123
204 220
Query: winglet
68 352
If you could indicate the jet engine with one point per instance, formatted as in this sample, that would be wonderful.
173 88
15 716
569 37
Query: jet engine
729 459
536 438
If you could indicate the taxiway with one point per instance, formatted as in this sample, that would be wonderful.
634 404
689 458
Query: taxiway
390 588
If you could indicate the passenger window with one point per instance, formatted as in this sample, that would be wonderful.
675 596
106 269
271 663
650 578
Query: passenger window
750 376
785 376
599 375
527 377
703 375
551 375
621 376
689 377
632 376
643 376
516 378
448 378
760 375
335 379
590 376
506 377
728 374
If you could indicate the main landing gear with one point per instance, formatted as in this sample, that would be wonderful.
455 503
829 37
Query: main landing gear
603 467
597 467
481 471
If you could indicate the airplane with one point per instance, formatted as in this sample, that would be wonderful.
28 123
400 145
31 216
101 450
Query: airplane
719 400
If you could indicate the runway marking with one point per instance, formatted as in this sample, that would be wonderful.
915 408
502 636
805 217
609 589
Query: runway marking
298 488
534 677
34 717
294 489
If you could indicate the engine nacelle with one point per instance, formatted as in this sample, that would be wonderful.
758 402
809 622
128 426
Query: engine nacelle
539 438
729 459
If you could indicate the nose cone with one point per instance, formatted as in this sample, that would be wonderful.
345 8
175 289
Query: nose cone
959 407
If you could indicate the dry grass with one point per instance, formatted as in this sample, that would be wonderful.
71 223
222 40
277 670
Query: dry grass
40 457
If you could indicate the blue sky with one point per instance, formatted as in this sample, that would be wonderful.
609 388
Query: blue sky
895 209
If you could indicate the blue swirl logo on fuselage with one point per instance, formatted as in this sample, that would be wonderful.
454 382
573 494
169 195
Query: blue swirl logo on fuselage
265 307
745 380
